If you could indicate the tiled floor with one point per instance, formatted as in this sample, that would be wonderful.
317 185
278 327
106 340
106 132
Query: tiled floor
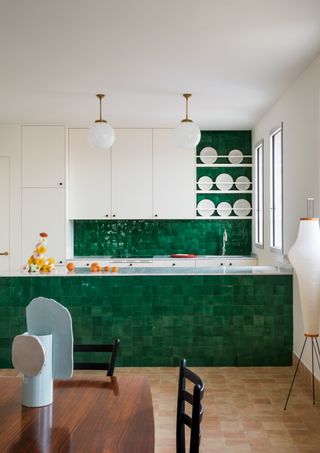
243 410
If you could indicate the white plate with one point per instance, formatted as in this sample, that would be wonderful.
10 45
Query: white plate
208 155
242 183
224 181
205 183
242 208
224 209
206 208
235 156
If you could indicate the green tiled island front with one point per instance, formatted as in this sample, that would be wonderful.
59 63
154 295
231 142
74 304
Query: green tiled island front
211 320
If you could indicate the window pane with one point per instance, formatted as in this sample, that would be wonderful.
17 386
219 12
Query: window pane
259 208
276 190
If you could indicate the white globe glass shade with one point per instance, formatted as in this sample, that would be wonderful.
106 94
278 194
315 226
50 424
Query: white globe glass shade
187 135
101 135
304 256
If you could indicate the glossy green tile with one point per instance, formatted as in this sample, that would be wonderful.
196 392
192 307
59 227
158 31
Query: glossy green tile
202 318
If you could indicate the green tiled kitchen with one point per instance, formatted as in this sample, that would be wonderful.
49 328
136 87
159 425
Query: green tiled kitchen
160 191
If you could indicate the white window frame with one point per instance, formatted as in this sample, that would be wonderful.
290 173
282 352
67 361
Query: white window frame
276 192
259 194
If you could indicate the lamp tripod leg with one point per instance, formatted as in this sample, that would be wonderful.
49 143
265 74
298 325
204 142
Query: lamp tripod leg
312 362
295 373
318 351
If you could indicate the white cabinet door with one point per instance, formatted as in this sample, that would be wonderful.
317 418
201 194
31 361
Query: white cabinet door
4 214
89 178
173 178
132 174
43 210
43 156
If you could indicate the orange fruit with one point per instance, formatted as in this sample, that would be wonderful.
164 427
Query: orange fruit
107 268
93 267
114 269
71 266
98 268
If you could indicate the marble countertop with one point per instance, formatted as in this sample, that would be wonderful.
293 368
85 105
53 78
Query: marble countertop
163 271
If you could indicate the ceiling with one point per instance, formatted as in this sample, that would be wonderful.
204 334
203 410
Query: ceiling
235 56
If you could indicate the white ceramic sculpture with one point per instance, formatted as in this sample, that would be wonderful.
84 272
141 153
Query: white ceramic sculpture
45 352
304 256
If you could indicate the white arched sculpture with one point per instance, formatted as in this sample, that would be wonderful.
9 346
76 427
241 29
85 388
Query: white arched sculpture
45 352
304 256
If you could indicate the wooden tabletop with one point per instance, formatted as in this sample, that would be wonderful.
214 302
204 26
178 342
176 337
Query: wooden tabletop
89 414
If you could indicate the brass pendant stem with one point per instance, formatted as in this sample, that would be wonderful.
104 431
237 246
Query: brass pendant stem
187 120
100 97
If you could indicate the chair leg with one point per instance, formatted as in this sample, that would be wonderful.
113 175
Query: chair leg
295 374
113 358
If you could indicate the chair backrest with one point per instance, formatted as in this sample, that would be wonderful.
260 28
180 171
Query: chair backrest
107 366
183 419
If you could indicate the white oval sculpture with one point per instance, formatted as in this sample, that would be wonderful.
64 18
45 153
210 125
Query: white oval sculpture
304 256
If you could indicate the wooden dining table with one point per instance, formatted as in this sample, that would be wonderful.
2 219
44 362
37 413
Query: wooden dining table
89 414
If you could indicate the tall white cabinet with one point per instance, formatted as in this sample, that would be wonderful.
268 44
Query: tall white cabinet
43 189
173 178
89 178
132 174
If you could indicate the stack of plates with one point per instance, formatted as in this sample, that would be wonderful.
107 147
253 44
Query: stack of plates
242 183
208 155
235 156
224 181
242 208
206 208
224 209
205 183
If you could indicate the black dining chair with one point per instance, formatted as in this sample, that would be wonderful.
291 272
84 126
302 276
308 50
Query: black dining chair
183 419
107 366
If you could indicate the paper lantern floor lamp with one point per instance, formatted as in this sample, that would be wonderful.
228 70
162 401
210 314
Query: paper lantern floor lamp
304 256
44 352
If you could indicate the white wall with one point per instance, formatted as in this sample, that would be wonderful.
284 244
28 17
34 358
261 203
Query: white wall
298 108
10 146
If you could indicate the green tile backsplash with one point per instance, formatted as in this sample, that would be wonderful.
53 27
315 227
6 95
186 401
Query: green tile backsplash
160 237
224 320
164 237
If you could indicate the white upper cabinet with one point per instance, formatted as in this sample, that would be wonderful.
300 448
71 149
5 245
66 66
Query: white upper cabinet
43 210
43 156
173 178
132 174
89 178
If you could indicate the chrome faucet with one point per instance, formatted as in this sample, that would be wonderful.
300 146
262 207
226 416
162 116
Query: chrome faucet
224 241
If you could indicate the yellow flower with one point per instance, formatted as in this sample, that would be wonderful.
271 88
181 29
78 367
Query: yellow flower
41 249
51 260
40 262
31 260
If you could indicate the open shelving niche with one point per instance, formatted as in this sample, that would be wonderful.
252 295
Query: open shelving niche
226 164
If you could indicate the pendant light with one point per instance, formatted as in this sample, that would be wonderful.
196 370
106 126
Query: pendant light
187 133
100 133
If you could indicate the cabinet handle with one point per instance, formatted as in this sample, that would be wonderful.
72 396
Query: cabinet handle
113 215
156 215
230 264
221 264
130 264
4 253
107 215
60 262
173 264
60 183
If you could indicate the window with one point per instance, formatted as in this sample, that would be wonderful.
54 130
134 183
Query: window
259 194
276 189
